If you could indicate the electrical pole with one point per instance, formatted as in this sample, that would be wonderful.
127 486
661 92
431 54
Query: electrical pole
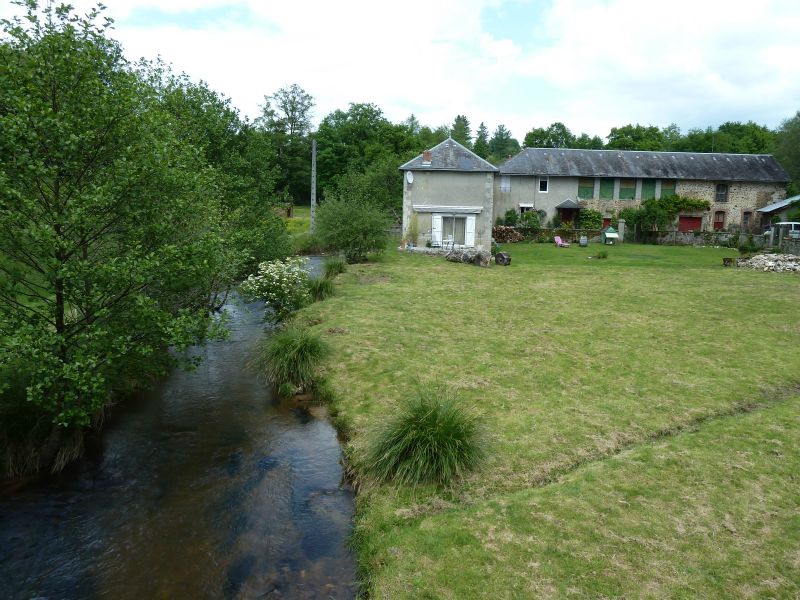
313 185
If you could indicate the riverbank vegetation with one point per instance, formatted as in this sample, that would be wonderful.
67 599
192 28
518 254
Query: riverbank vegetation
131 199
640 412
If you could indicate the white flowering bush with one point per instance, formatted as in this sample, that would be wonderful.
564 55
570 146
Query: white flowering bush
281 284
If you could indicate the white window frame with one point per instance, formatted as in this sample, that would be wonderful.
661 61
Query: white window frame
437 229
546 181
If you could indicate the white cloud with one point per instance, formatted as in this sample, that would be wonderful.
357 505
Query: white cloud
592 64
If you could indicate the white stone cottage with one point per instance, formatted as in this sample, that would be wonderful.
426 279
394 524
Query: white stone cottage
457 196
450 190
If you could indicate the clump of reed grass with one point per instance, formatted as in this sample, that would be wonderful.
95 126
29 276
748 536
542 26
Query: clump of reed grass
602 254
292 356
320 288
334 266
432 439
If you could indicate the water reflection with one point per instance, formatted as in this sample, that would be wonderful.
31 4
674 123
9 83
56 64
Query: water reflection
204 488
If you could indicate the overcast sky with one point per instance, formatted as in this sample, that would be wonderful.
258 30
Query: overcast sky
591 64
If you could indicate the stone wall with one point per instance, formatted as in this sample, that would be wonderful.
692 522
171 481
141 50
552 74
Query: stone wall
742 197
791 246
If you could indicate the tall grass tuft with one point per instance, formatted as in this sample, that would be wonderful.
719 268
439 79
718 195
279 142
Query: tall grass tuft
431 439
334 266
320 288
292 355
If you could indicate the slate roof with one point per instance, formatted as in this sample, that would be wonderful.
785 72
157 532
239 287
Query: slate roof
779 205
636 164
450 156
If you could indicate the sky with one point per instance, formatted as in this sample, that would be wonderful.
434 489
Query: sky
591 64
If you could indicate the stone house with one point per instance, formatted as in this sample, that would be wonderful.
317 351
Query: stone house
449 190
556 181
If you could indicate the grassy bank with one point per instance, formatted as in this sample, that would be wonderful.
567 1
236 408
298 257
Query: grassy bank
586 372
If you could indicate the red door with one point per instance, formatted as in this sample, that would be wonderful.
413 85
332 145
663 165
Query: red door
689 223
606 222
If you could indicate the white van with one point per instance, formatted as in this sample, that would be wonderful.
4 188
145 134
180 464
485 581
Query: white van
785 229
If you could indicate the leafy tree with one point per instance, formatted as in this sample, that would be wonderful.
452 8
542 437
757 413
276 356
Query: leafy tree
481 147
349 225
245 162
555 136
636 137
381 184
289 110
744 138
286 117
461 131
672 137
585 142
502 145
787 150
110 227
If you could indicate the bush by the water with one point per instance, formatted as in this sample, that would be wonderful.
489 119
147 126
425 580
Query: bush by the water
293 356
334 266
282 284
431 439
352 226
320 288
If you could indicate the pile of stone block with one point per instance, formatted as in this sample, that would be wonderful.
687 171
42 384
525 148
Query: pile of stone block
781 263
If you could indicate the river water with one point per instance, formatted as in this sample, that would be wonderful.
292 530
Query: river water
205 487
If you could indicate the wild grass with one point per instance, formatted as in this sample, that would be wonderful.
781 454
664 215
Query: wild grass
432 439
320 288
292 355
578 366
334 266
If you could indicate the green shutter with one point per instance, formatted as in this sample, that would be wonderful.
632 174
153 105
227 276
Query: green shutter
586 188
648 189
607 189
627 189
667 188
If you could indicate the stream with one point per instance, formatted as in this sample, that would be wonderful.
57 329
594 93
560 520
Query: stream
204 487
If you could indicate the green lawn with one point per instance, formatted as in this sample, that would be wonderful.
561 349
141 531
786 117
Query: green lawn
301 220
642 430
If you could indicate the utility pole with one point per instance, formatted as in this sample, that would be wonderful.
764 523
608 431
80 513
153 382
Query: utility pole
313 185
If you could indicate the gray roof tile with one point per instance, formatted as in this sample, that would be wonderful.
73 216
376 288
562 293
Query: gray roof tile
450 156
636 164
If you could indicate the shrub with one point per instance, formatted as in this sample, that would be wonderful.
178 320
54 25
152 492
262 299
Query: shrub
281 284
590 219
334 266
431 439
308 243
602 254
511 218
529 223
292 356
353 226
320 288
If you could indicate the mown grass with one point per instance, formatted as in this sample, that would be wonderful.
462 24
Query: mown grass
576 365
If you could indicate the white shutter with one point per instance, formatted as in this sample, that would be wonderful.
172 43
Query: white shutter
436 230
469 237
